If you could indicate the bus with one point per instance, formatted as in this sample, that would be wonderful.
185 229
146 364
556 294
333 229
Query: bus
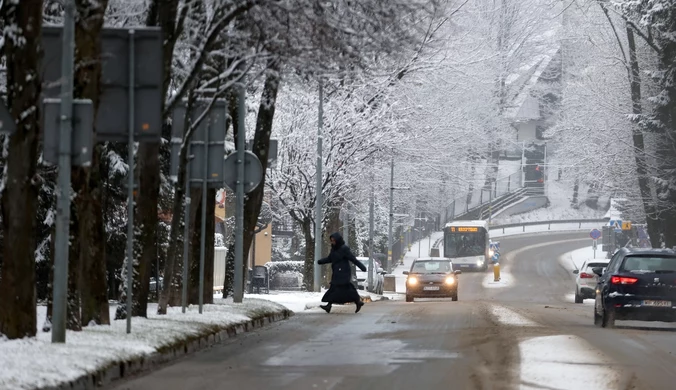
467 243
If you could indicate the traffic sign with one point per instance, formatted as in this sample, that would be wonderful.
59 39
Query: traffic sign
253 171
616 224
595 234
626 225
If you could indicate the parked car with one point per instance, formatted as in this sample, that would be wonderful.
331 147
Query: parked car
586 280
432 277
638 284
378 276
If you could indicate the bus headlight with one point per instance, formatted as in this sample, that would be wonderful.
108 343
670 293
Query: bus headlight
479 263
450 280
412 281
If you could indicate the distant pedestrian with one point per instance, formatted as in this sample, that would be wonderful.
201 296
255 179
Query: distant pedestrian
342 290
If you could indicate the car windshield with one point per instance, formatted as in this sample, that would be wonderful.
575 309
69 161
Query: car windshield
649 264
431 266
597 265
465 244
366 262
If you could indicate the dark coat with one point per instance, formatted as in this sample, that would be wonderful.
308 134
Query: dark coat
340 258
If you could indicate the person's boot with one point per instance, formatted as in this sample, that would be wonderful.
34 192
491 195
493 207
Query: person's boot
359 305
327 307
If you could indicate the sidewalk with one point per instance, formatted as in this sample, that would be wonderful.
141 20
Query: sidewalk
302 301
411 255
105 353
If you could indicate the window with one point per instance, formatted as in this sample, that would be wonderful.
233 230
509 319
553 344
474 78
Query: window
421 267
465 244
649 263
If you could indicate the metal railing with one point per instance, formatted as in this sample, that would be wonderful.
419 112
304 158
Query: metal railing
483 196
545 226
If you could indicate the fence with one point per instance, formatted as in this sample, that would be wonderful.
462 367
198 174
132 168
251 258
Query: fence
483 196
546 226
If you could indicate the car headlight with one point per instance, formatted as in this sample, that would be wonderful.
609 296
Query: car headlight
412 281
450 280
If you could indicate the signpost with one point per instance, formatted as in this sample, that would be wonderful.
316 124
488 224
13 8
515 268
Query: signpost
208 142
595 234
130 111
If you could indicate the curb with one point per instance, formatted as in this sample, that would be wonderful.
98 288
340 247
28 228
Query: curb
129 368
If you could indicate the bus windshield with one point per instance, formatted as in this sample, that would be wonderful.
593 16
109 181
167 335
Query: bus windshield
465 244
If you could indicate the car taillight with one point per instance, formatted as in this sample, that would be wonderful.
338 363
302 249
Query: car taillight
623 280
584 275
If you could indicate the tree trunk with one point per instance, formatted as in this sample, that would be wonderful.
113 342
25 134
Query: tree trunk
91 281
196 222
473 160
20 192
576 191
308 274
163 13
261 146
639 146
172 274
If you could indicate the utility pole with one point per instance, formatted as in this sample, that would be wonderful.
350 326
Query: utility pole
60 303
390 260
318 192
238 294
371 227
203 244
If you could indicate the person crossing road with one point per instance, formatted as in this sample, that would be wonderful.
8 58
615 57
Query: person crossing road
341 290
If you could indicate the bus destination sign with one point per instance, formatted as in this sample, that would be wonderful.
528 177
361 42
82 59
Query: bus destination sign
464 229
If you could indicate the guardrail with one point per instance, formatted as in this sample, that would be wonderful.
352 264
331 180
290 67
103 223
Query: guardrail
545 226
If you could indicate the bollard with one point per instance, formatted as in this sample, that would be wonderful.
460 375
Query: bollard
496 272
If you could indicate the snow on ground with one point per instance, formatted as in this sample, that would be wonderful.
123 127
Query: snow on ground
506 279
560 195
509 317
574 260
36 362
416 247
563 362
301 301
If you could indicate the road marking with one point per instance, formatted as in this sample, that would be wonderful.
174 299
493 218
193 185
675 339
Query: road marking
563 362
509 317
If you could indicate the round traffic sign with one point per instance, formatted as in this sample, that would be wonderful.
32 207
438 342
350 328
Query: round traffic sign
595 234
253 171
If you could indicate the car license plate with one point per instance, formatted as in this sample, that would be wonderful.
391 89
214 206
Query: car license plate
431 288
657 303
464 265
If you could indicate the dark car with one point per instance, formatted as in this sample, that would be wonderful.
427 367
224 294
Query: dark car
638 284
432 277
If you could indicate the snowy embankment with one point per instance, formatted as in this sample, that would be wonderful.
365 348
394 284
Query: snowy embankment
560 195
105 353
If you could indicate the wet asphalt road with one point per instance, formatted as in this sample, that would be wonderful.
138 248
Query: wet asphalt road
475 343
